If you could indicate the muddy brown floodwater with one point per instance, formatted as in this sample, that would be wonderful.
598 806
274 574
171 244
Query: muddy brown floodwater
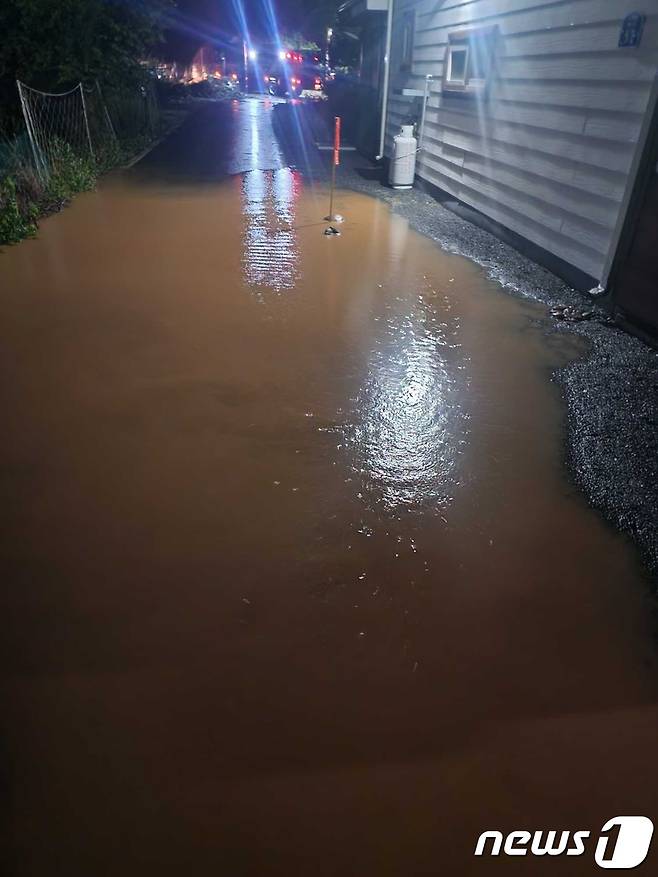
293 579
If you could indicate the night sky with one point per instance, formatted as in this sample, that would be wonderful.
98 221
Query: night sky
194 22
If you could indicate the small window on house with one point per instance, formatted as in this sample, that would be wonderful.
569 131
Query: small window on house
457 64
408 31
468 62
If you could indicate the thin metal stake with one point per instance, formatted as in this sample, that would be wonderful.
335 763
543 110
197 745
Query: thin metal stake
331 192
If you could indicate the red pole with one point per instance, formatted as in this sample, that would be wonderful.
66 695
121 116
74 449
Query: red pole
334 165
337 140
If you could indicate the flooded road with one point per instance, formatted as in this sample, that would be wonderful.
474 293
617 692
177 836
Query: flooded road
294 581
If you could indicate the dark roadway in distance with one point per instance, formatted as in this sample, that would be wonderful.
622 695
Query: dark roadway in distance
236 136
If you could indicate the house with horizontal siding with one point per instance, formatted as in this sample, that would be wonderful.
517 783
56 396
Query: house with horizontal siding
539 115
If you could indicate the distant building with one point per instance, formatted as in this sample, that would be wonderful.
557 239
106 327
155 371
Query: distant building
541 118
205 63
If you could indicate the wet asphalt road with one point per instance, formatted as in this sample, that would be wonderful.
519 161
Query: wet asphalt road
296 580
233 137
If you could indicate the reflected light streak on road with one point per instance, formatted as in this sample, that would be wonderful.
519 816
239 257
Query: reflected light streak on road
271 253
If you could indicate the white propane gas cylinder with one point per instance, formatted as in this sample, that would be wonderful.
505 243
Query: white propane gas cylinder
402 167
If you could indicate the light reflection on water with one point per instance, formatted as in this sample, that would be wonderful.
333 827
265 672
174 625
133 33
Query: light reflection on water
410 425
270 249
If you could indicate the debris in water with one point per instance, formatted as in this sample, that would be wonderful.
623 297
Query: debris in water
571 314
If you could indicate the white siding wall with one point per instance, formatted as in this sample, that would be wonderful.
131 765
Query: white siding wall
548 153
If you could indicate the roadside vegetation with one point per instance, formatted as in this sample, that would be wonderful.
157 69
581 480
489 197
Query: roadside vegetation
25 195
52 45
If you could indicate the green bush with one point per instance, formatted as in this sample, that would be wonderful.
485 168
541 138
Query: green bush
23 197
17 221
70 173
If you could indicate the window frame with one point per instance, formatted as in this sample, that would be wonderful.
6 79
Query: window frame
458 47
465 40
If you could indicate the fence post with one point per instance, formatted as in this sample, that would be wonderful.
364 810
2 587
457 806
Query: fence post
39 163
84 110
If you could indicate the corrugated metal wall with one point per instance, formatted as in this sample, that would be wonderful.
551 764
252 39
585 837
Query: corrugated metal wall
548 152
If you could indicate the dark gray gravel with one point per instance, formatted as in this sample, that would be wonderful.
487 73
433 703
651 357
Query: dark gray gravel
611 394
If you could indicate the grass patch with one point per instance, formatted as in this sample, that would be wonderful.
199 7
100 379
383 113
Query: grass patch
70 173
25 196
17 220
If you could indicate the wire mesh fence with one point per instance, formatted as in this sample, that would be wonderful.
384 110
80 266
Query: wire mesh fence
66 140
134 113
14 152
88 122
52 120
101 127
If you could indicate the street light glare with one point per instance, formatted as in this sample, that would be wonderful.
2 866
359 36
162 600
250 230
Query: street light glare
253 54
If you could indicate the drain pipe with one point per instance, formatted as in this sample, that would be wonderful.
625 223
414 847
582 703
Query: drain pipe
387 76
426 96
